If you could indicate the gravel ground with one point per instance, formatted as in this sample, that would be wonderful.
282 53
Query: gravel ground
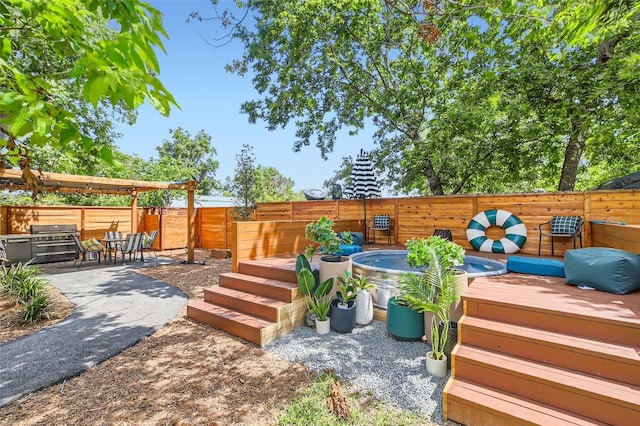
391 370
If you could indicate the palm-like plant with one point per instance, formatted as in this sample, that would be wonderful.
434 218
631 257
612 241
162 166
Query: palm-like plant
434 292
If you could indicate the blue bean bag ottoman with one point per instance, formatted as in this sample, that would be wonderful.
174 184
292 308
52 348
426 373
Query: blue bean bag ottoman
536 266
607 269
347 249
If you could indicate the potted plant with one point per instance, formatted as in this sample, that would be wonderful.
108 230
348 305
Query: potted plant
434 291
315 292
364 299
331 265
450 255
404 322
343 308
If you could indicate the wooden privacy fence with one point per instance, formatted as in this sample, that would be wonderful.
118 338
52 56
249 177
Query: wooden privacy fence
410 217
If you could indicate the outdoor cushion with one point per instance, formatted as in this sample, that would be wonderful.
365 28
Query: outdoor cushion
357 238
92 244
607 269
146 240
536 266
347 249
564 224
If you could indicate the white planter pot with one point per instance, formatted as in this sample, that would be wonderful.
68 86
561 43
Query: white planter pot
323 327
436 367
364 307
334 270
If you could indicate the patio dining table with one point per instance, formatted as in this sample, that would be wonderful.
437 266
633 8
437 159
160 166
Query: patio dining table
112 245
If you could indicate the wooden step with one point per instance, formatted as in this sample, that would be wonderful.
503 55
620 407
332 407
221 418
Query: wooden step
275 289
607 360
248 327
547 303
472 404
281 271
596 398
248 303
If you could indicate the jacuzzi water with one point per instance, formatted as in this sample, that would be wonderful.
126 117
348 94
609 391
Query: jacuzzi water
395 262
384 268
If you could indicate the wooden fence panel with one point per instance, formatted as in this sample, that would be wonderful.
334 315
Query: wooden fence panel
97 221
20 219
275 211
173 230
214 224
420 217
623 237
312 210
615 206
4 222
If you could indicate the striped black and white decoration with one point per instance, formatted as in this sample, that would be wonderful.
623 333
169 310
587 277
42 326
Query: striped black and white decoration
363 179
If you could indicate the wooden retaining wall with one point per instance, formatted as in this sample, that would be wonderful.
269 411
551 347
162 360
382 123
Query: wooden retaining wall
262 239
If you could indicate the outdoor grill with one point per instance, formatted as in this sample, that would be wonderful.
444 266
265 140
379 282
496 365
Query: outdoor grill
45 244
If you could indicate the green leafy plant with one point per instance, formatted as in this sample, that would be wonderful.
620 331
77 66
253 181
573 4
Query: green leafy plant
346 289
35 308
449 253
434 290
316 293
322 233
20 281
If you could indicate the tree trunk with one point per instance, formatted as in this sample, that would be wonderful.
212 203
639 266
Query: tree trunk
572 155
435 184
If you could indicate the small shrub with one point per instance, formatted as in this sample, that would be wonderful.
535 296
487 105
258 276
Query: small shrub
21 283
35 308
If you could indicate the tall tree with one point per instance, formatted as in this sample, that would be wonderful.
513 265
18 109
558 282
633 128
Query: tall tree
56 55
243 185
271 185
447 84
195 153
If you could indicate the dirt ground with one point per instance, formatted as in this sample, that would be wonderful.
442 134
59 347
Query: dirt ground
184 374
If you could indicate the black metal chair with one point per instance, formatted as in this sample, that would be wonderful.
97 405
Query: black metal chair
380 222
561 227
445 234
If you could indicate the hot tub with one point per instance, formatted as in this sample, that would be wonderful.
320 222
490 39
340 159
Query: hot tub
384 267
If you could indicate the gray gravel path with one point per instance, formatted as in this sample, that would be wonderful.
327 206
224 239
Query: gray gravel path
393 371
115 308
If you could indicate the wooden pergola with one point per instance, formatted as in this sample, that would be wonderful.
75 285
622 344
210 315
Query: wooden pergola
12 180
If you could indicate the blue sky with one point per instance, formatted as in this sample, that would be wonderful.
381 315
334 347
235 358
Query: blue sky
210 100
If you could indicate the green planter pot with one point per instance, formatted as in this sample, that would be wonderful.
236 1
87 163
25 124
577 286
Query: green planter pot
403 323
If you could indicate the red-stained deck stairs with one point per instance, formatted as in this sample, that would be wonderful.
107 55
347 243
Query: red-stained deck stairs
535 351
259 303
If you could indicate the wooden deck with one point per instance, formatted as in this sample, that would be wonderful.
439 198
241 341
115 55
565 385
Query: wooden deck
534 350
531 350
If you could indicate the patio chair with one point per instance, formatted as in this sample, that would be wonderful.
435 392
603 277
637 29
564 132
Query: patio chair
147 242
113 246
87 250
445 234
132 245
380 222
561 227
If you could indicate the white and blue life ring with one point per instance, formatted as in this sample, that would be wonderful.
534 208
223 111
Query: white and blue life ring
515 232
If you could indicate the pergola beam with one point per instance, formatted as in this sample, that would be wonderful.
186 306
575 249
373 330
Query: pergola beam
11 179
